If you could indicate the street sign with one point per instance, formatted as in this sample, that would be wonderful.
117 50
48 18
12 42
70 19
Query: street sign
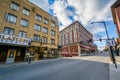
110 42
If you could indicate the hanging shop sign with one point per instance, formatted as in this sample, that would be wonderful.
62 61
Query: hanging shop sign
10 39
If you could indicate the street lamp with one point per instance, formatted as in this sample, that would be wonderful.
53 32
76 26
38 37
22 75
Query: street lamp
111 55
105 28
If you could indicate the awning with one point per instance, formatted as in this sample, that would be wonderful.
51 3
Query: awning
87 47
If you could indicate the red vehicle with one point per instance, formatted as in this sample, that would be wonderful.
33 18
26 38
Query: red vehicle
68 55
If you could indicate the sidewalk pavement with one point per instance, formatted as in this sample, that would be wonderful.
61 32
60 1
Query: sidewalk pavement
114 74
26 62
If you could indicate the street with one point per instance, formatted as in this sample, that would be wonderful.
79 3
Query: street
74 68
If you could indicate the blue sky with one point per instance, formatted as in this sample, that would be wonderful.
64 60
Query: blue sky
85 11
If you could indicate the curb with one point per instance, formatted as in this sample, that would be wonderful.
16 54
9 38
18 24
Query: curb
21 63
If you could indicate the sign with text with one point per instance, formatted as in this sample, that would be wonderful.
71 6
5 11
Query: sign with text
10 39
110 42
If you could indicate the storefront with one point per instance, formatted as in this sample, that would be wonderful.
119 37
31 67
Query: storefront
84 49
12 48
9 51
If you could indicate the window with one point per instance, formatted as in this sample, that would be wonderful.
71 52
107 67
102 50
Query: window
11 18
45 21
37 27
38 17
14 6
8 31
52 32
36 38
24 22
45 30
44 39
22 34
75 36
53 24
66 38
63 39
71 37
26 12
52 41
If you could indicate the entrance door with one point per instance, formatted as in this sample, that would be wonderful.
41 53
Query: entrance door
11 54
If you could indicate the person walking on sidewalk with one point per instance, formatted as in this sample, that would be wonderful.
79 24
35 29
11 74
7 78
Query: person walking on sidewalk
30 57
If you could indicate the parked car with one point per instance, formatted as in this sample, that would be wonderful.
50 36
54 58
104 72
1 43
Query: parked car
68 55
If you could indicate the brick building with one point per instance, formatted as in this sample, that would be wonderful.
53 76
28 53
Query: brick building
75 39
26 28
116 15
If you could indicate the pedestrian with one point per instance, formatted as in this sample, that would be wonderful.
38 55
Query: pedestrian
29 61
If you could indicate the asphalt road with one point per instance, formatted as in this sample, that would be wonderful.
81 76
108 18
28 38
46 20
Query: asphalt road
57 69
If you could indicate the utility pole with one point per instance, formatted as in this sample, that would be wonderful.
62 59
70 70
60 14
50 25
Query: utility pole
110 47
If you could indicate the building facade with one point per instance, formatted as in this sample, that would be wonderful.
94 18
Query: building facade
115 8
26 29
75 39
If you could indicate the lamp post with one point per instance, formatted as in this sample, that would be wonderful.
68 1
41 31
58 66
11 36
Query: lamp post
104 26
111 54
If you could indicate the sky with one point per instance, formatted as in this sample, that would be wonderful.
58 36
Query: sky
85 11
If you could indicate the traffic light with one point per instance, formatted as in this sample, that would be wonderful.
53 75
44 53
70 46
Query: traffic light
90 40
100 40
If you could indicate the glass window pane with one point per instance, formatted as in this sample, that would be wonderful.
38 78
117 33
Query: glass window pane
20 34
26 12
6 31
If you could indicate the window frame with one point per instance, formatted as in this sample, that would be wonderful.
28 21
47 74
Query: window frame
11 18
9 29
21 23
38 17
52 32
23 32
52 41
36 38
52 24
44 39
46 21
44 30
26 11
14 6
37 25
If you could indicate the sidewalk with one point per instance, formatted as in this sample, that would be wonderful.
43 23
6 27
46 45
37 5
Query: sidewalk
26 63
114 74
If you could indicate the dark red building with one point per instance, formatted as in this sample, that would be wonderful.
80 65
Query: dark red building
75 39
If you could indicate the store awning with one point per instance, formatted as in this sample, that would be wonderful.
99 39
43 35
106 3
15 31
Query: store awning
84 46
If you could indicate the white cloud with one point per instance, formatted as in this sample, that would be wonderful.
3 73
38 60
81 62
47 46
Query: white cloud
59 8
44 4
85 10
